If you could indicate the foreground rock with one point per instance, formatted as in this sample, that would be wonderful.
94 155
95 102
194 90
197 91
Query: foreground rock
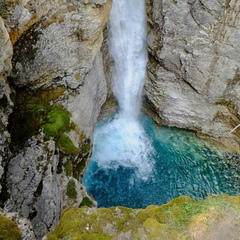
182 218
193 72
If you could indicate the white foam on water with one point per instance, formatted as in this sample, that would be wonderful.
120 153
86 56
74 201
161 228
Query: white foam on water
123 142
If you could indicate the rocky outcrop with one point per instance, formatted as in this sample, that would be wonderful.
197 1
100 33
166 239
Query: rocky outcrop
40 190
193 70
5 101
58 74
182 218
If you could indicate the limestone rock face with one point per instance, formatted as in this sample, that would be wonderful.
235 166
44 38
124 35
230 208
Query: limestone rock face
5 101
61 47
51 52
38 190
193 72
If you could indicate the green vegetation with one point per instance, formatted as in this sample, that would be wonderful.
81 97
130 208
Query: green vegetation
78 169
9 230
71 190
57 121
67 147
177 219
36 110
86 202
69 168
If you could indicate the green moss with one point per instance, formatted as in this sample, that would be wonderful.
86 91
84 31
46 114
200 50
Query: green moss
4 12
69 168
78 170
71 190
77 76
66 146
86 148
86 202
9 230
57 122
36 110
169 221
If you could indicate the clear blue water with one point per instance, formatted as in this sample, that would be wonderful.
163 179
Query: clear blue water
179 163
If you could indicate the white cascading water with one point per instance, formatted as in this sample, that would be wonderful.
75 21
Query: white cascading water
127 44
122 140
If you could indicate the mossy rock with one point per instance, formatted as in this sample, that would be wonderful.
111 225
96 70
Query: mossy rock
65 144
71 190
69 168
169 221
9 230
38 110
57 121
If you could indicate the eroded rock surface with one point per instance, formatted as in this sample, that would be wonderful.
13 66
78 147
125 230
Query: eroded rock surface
193 72
38 190
58 74
5 101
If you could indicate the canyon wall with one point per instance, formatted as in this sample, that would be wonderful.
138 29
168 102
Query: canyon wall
52 88
194 66
55 75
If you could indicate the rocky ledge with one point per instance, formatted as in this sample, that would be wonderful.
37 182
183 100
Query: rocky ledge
216 217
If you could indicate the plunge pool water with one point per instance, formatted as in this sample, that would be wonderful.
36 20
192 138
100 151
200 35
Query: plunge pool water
178 163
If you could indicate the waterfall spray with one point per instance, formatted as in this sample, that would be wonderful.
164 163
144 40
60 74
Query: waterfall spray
121 141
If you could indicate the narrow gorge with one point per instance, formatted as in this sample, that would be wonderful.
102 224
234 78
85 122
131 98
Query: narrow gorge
56 72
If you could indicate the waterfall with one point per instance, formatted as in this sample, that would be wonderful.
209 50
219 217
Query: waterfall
121 140
127 44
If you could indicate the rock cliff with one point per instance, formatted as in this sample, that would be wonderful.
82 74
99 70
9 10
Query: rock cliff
51 57
193 70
